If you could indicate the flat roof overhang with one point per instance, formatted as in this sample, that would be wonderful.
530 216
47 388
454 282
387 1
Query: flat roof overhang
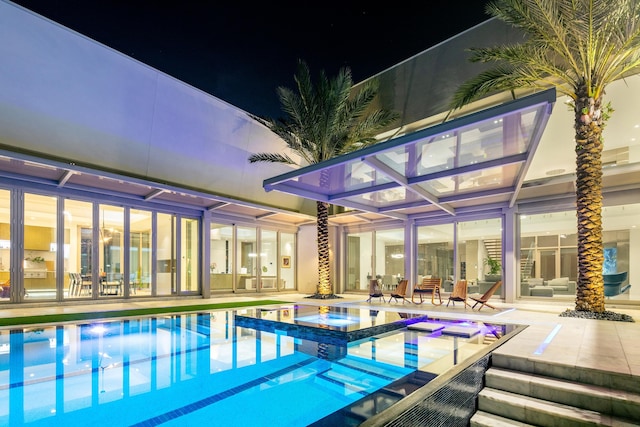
478 159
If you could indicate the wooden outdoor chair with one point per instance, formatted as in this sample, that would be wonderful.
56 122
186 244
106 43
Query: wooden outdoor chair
459 294
375 291
484 299
400 292
431 286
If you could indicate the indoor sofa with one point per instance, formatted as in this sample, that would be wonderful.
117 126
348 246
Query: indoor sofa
537 287
562 286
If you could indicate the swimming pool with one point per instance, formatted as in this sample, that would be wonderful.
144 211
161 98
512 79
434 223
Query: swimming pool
202 368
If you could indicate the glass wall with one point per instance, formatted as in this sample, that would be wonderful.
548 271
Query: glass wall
548 255
112 251
548 248
435 253
270 268
375 255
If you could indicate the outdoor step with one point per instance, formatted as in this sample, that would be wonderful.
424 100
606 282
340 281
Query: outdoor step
485 419
540 412
608 379
601 399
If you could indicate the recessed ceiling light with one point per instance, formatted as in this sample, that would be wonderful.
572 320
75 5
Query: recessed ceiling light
555 172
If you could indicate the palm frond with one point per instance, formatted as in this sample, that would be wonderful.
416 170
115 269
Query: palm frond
491 81
568 43
271 158
327 118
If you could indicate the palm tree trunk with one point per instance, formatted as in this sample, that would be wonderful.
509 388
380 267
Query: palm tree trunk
588 127
324 271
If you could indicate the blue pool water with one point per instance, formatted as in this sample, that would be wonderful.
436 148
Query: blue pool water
203 369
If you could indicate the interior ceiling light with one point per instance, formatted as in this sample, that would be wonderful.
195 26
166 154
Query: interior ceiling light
555 172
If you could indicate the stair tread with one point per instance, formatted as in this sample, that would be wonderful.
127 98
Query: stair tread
604 400
581 375
558 383
553 409
481 418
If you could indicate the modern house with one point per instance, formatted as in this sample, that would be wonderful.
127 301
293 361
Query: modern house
118 181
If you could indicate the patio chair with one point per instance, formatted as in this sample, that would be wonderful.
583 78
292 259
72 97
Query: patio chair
459 294
428 286
374 290
400 292
484 299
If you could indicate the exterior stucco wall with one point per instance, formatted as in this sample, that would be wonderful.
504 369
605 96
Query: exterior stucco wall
65 96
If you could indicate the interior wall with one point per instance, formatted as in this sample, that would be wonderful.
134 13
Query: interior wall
307 270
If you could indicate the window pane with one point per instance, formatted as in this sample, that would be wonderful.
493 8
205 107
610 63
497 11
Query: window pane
40 247
78 243
569 263
359 257
268 259
288 260
165 277
246 258
479 254
189 253
548 241
390 256
5 244
435 252
140 253
111 250
221 257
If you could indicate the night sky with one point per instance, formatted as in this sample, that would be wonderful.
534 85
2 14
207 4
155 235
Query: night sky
241 52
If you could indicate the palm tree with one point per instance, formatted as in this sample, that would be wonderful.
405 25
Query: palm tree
325 121
578 46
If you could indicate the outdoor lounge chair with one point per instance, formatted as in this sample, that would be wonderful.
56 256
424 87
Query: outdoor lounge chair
400 292
374 290
484 299
459 294
428 286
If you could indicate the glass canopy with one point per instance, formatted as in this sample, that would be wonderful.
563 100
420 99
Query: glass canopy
476 159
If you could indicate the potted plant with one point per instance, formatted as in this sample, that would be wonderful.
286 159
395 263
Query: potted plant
494 273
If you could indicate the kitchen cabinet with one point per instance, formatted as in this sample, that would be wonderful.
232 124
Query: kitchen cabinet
48 282
5 231
38 238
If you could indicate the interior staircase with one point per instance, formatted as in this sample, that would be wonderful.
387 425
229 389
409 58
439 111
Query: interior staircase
518 392
494 249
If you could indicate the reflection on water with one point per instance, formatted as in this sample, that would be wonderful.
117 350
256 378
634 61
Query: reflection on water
200 365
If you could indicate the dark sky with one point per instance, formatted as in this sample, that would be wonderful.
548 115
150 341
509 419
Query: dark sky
241 52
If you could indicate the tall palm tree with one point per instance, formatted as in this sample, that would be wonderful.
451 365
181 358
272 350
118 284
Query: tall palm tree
578 46
325 121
